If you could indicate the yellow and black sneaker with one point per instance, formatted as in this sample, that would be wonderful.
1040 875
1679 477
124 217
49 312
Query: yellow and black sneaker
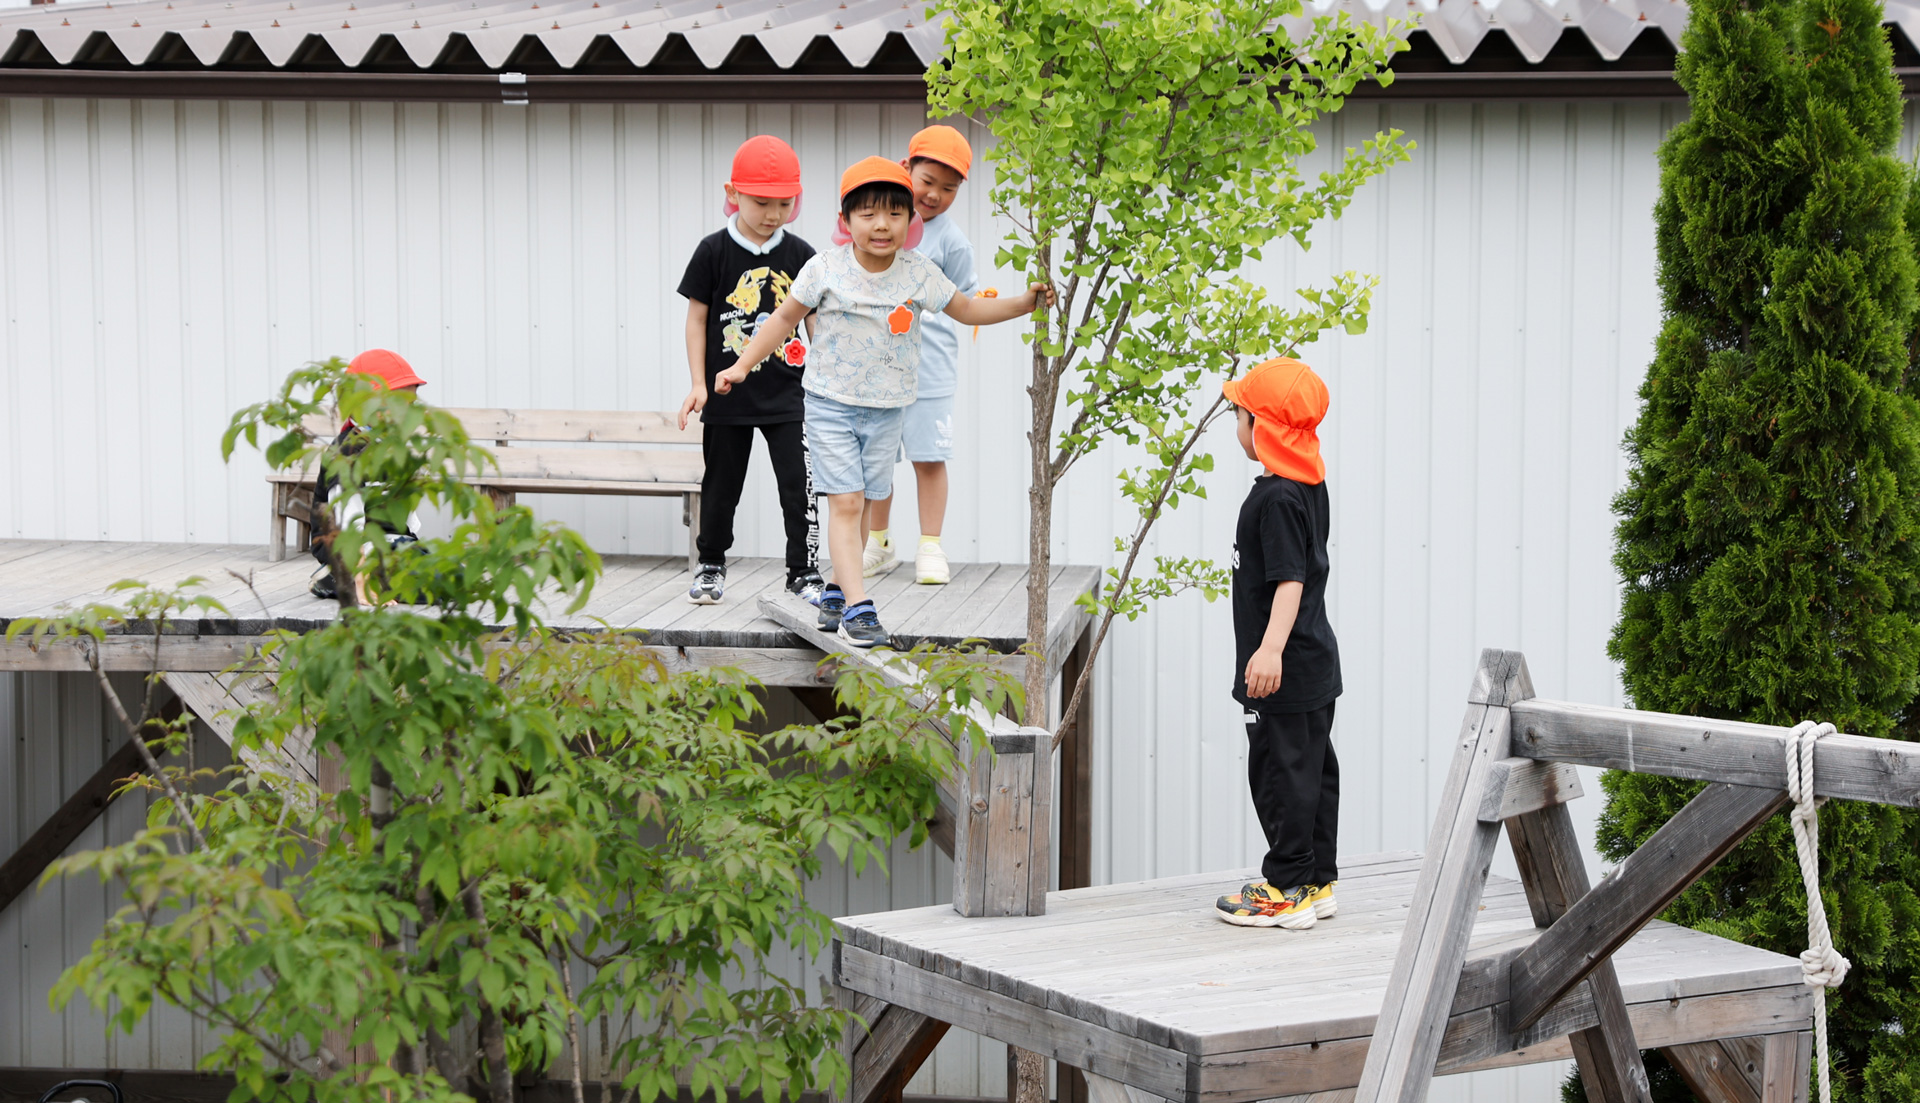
1321 897
1259 904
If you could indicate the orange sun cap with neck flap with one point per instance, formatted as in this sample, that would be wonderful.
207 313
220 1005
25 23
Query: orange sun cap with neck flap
389 367
944 144
1288 402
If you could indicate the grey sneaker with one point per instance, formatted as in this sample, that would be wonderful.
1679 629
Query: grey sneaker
709 585
807 586
860 626
833 604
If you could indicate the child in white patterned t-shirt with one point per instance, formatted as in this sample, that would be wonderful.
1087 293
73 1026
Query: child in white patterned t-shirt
863 369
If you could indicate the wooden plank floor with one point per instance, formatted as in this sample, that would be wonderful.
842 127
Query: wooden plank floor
646 595
1143 984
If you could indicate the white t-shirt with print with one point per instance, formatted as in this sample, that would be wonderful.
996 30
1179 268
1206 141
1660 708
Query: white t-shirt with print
866 337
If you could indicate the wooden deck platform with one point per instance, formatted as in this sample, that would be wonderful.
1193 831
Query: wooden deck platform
645 595
1142 985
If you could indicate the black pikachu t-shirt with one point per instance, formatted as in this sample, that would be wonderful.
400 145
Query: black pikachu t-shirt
1282 537
741 290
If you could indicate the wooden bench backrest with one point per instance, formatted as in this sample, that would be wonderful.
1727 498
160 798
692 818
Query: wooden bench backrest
557 426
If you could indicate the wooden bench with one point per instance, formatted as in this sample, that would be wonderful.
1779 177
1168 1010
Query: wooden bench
540 470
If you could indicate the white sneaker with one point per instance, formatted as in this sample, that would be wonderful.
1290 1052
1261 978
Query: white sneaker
877 558
930 564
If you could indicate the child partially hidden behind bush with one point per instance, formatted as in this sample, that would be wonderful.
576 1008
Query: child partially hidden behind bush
863 369
397 375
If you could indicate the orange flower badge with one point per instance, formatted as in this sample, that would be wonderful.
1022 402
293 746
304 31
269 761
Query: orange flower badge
901 320
795 352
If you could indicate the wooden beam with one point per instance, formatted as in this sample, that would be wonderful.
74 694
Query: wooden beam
1554 872
1521 785
1689 844
897 1043
1728 1070
1846 767
1433 947
24 866
1001 802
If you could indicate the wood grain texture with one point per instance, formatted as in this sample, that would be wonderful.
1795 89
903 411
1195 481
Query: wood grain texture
1720 1071
1440 917
1554 871
1846 767
893 1048
1710 825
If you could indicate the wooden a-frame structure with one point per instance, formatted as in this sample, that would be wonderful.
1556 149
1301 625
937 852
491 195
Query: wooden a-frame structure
1070 983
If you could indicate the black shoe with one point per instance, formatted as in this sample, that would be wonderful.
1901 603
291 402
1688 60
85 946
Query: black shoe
710 585
860 626
833 604
807 586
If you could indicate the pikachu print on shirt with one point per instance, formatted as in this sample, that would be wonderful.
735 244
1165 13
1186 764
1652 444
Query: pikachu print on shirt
743 318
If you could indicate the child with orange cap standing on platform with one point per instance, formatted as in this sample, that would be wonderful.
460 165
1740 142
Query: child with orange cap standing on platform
938 159
1287 662
737 280
872 294
392 370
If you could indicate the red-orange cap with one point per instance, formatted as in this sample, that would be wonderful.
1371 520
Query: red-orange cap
767 167
872 170
943 144
390 367
1288 402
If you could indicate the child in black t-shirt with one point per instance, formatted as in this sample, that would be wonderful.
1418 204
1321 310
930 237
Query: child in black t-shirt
1287 663
737 278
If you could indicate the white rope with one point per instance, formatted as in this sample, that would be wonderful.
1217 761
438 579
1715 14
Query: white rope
1821 966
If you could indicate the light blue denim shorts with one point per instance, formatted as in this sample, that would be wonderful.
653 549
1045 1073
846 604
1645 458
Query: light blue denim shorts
853 447
926 433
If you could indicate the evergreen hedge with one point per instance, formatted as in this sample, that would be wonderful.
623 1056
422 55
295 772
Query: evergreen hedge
1767 531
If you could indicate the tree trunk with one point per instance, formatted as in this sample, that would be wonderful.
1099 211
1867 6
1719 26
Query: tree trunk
1039 539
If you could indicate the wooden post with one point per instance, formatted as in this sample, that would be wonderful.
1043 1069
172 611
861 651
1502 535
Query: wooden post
1076 816
1446 898
1554 873
1001 837
1771 1068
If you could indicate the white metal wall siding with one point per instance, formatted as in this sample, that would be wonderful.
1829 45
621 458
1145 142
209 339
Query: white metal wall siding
162 264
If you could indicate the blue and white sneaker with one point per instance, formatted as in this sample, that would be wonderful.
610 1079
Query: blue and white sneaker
860 625
832 604
709 584
807 586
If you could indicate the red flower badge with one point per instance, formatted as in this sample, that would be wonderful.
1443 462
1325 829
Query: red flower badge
901 320
795 352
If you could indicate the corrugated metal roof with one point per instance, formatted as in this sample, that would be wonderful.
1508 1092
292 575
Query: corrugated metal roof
430 33
213 29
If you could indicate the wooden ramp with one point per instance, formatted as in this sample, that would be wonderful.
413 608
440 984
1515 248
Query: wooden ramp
1141 986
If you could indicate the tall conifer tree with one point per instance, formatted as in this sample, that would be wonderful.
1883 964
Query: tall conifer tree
1767 535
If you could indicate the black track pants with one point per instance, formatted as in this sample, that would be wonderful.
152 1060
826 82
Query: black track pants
1296 793
727 448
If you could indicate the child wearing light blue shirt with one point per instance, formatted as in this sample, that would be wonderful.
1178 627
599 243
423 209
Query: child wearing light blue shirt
872 296
938 159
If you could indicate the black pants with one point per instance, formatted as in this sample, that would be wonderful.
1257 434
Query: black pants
1296 793
727 448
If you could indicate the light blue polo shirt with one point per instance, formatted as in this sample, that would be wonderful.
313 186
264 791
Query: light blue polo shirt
942 243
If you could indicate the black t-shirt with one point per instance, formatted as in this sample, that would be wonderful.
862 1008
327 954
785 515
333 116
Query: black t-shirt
1282 537
741 289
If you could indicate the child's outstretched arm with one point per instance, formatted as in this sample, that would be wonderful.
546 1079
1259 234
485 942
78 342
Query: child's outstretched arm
772 332
696 360
973 310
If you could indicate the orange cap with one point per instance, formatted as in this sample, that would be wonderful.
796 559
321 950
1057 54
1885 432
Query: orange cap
873 170
390 367
767 167
943 144
1287 402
